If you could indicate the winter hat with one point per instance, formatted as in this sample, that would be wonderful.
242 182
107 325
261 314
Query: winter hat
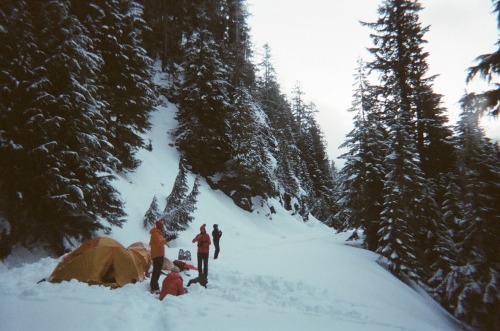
159 225
202 228
216 226
176 269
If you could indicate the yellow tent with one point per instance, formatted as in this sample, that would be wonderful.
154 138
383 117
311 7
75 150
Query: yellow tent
145 251
102 261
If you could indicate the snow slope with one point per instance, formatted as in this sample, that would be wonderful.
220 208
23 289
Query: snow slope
274 272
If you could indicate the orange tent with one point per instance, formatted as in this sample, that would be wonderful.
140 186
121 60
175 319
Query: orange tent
167 264
145 251
101 261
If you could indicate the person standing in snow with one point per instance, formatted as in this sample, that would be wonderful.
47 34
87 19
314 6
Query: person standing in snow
216 234
172 284
157 243
198 280
203 240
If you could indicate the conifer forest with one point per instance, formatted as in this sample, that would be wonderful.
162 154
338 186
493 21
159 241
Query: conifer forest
77 92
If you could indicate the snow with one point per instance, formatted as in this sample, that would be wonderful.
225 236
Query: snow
274 272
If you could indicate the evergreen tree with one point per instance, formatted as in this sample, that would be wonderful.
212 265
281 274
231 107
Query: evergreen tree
278 111
267 82
56 159
125 75
322 204
178 218
179 190
202 97
248 173
481 185
152 214
314 171
169 22
408 106
16 78
180 205
446 249
399 43
404 197
301 112
189 204
488 68
237 50
361 195
469 288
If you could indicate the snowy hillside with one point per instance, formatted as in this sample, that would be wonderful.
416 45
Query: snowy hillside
274 273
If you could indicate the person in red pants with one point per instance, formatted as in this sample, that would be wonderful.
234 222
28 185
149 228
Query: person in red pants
203 240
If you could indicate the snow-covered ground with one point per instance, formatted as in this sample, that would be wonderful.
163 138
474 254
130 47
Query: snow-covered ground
274 272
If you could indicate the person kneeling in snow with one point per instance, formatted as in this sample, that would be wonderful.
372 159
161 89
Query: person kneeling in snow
198 280
172 284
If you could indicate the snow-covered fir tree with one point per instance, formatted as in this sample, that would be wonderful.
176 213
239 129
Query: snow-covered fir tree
62 148
249 172
279 113
488 67
202 97
179 204
446 249
403 195
179 190
360 193
125 76
152 215
178 217
470 288
409 105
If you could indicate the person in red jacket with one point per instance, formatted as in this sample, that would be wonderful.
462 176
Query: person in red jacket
157 243
172 284
203 240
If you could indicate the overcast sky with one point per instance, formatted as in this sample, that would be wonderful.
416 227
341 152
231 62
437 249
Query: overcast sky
318 42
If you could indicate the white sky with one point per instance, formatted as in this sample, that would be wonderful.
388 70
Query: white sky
318 42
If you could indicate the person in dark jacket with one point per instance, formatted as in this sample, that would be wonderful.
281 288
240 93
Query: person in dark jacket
216 234
198 280
157 244
172 284
204 242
